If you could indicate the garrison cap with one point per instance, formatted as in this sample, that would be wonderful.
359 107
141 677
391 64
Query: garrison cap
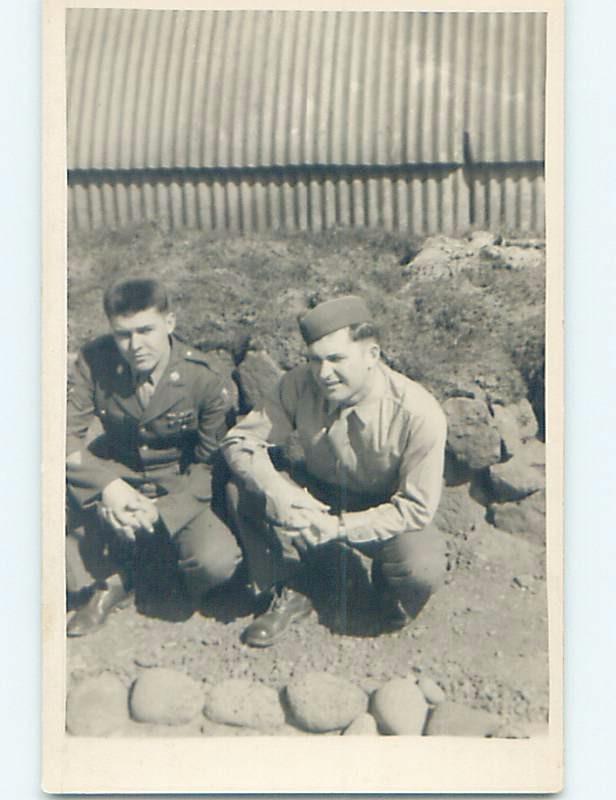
332 315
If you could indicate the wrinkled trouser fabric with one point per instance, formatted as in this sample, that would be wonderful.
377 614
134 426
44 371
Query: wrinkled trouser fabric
206 551
412 564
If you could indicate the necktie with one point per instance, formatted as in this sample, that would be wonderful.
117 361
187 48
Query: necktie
145 390
338 435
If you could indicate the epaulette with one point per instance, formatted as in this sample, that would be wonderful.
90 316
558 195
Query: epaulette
193 354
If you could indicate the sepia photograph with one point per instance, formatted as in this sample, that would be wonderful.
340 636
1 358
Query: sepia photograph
303 423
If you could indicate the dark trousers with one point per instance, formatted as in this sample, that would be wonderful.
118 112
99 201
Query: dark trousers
206 551
411 565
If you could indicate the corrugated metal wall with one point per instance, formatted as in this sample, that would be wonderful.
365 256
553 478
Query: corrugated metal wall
255 120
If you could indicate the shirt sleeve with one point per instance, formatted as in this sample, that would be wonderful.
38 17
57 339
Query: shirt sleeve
418 493
80 404
86 473
246 446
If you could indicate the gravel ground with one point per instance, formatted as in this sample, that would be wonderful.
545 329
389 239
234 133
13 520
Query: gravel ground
459 639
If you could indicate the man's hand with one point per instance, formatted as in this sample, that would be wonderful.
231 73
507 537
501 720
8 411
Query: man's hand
291 507
126 510
318 529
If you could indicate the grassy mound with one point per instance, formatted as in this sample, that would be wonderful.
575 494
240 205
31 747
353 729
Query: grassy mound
476 325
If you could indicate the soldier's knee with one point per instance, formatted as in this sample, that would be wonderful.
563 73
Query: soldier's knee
217 563
209 557
415 561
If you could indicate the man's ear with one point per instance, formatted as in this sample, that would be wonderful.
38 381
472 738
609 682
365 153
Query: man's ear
170 322
374 352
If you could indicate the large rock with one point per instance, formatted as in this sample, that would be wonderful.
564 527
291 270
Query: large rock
257 374
399 707
322 702
164 696
473 436
533 452
515 479
453 719
525 516
242 703
516 423
526 419
364 725
97 706
508 427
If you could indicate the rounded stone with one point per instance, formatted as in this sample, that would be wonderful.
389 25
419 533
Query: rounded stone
526 419
240 702
431 690
453 719
363 725
508 427
166 697
533 452
515 479
97 706
472 435
322 702
524 517
400 708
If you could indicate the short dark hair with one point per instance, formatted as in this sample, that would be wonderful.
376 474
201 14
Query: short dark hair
363 330
135 294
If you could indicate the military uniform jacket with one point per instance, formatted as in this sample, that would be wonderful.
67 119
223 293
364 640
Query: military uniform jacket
168 445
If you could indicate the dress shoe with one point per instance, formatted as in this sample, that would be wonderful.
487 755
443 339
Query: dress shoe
286 607
92 616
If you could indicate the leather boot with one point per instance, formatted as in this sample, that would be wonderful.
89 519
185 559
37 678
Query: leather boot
287 606
92 616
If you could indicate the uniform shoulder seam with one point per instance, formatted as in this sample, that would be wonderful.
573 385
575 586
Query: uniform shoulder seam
400 393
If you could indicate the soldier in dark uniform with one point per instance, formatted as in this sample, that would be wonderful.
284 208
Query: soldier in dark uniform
149 473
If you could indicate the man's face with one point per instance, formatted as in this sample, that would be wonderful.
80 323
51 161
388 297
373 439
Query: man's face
143 337
342 367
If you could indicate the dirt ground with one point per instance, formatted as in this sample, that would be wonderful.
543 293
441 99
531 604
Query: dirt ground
484 636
